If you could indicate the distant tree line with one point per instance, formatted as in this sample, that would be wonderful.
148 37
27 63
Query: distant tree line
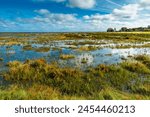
125 29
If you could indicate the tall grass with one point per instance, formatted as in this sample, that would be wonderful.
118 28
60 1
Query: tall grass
54 82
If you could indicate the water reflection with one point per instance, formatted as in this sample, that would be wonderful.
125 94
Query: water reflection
83 59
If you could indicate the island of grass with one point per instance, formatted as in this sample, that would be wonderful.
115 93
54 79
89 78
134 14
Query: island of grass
66 56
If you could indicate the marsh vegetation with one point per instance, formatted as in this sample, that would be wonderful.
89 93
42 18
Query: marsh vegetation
75 65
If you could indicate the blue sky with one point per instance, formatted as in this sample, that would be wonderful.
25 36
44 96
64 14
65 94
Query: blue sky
72 15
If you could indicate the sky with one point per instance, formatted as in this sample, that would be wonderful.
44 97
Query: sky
72 15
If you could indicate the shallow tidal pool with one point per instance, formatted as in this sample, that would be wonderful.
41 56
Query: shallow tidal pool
104 52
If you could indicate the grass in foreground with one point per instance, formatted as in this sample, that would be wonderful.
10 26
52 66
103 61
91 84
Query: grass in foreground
36 79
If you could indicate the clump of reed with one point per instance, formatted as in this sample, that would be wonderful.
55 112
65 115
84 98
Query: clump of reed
144 59
87 48
1 59
66 56
34 92
67 80
115 76
42 49
84 60
137 67
38 49
27 47
57 49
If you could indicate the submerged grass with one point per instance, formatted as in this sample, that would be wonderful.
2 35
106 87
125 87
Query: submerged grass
27 47
42 49
1 59
66 56
39 49
87 48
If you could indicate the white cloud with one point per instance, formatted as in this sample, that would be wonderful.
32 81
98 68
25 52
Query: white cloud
46 16
130 15
83 4
144 4
124 13
128 11
42 11
47 21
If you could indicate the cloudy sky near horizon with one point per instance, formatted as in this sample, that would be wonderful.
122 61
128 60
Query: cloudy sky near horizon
72 15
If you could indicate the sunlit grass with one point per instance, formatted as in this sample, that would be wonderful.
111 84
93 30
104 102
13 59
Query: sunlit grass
36 79
66 56
136 67
87 48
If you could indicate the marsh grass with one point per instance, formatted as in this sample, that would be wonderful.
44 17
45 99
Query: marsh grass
84 60
40 80
37 79
42 49
137 67
57 49
90 42
66 56
38 49
42 38
1 59
144 59
87 48
27 47
34 92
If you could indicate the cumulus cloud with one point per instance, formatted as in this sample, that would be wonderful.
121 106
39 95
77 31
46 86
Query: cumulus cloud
130 15
124 13
83 4
42 11
54 17
145 4
45 20
128 11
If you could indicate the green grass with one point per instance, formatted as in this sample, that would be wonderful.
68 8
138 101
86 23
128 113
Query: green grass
137 67
42 49
66 56
43 92
84 60
36 79
144 59
27 47
39 49
87 48
1 59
